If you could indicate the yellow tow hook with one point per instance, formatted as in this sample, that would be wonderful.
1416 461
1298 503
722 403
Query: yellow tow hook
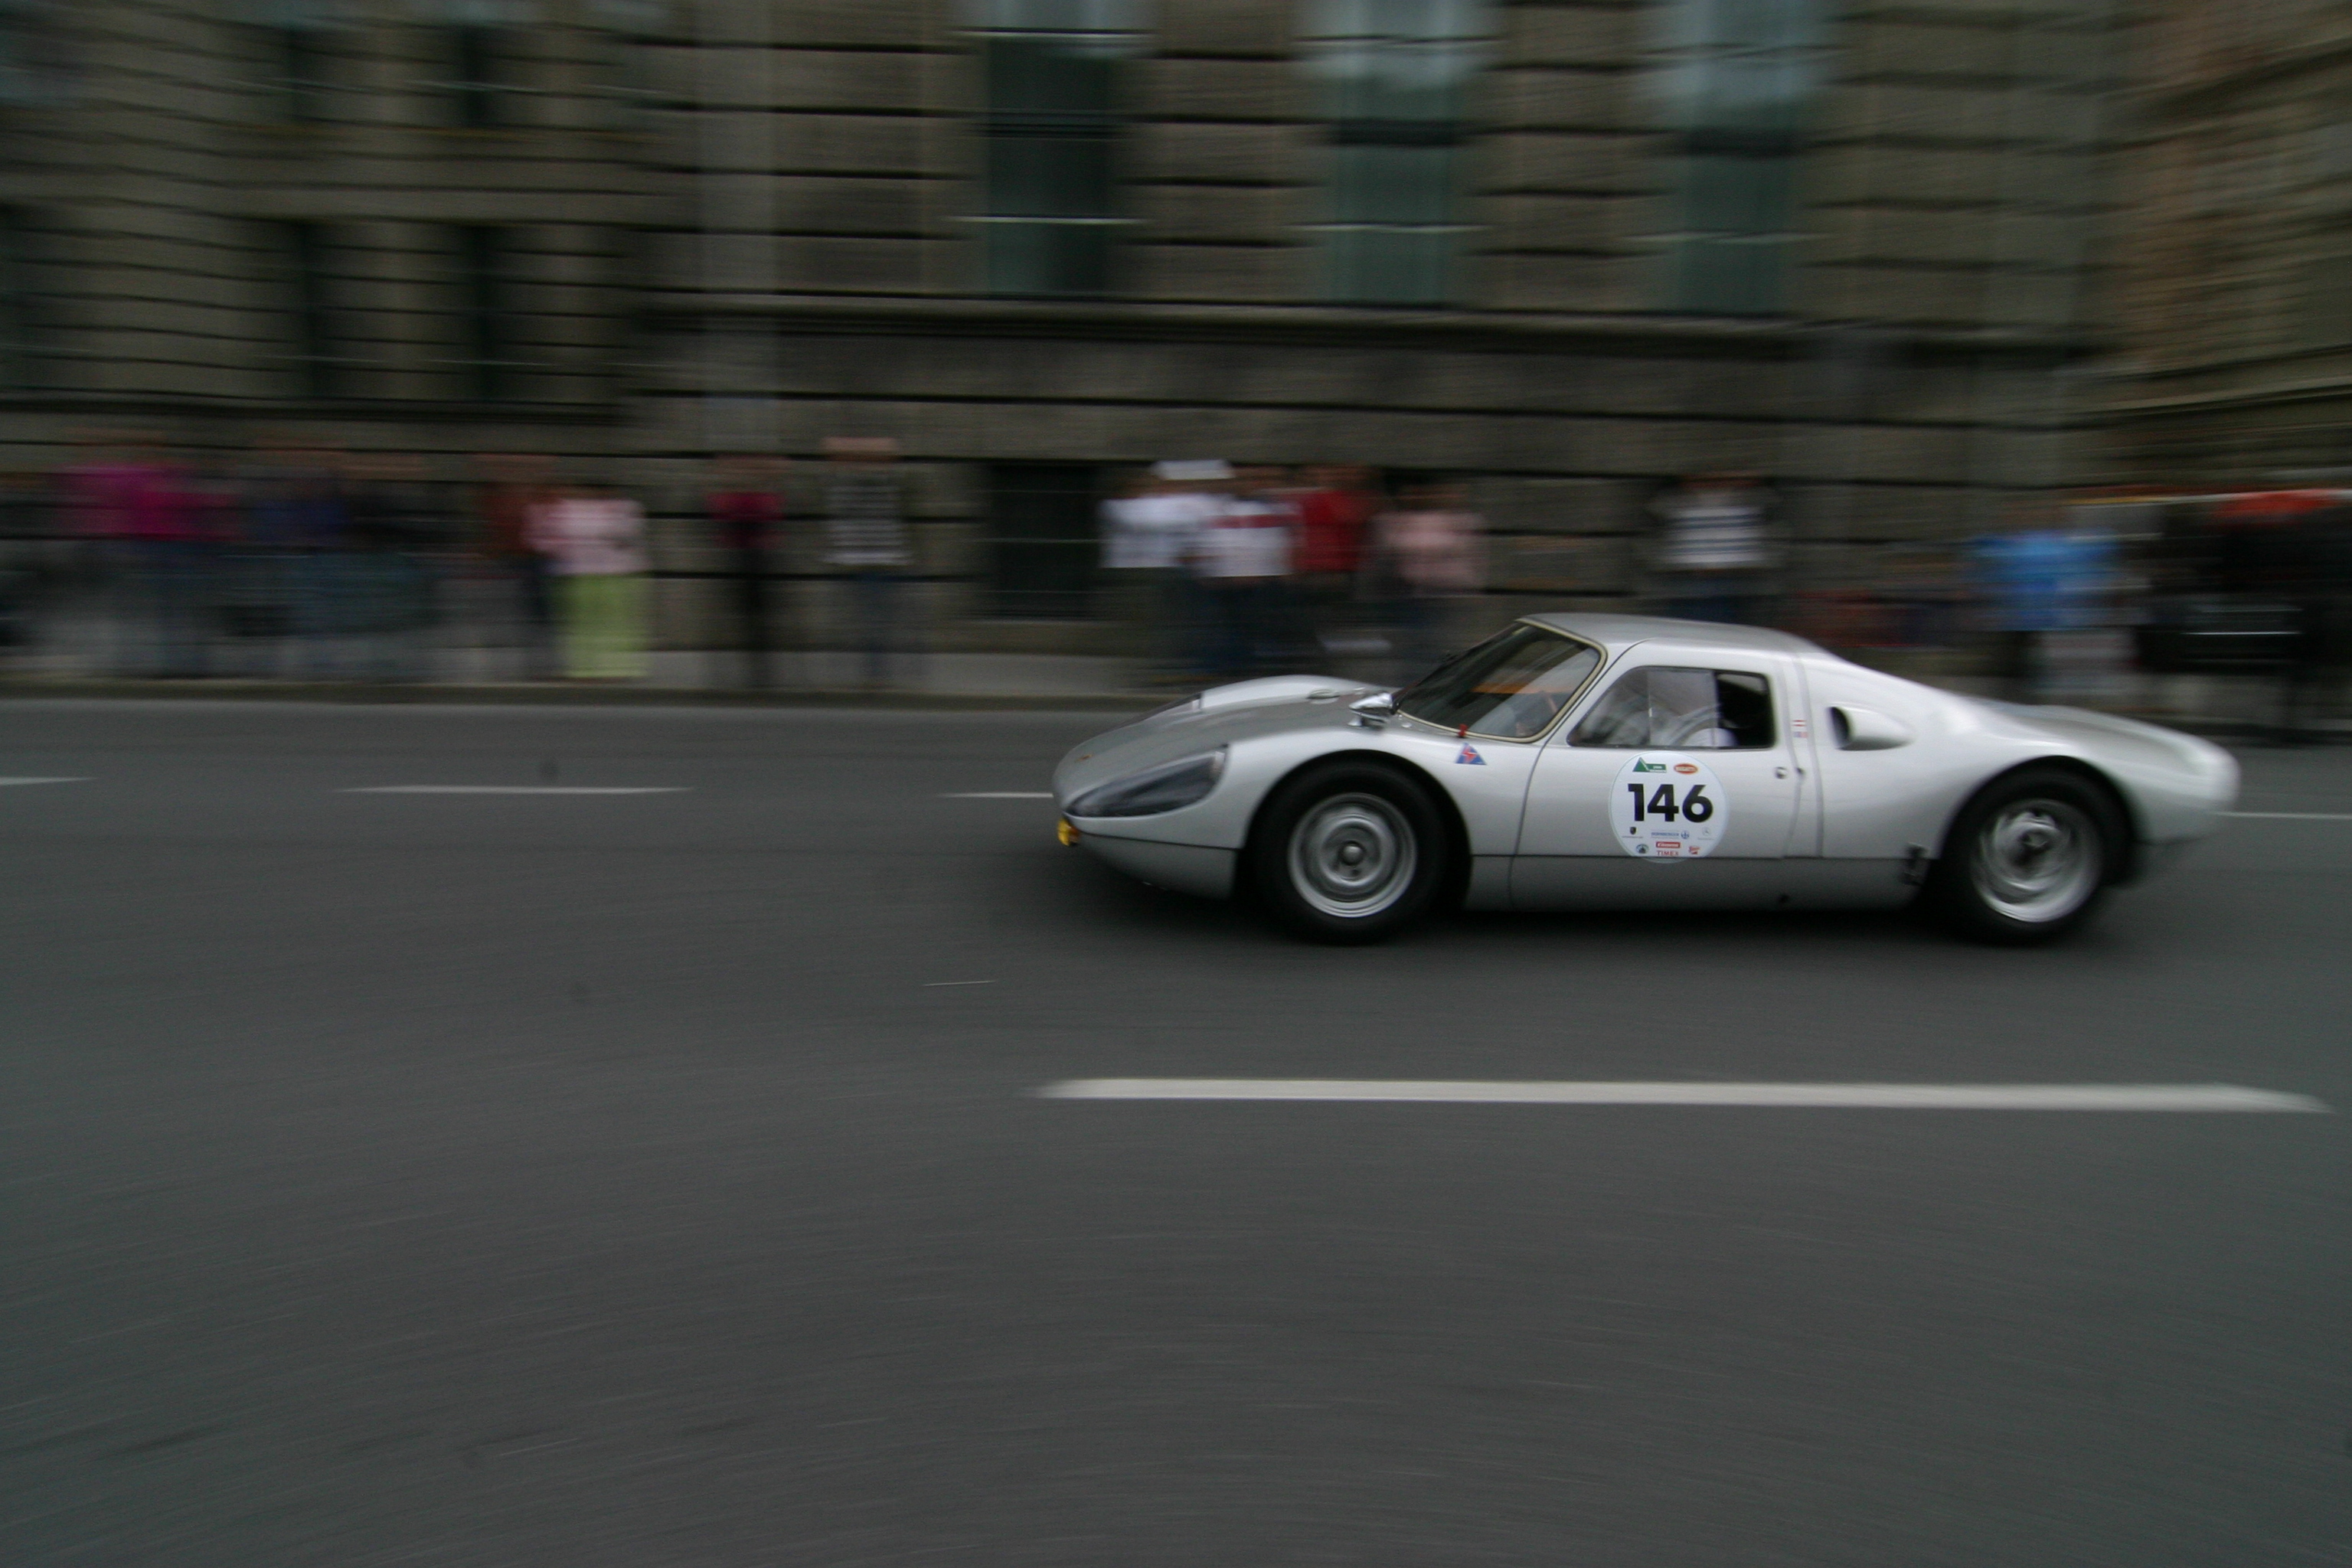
1066 833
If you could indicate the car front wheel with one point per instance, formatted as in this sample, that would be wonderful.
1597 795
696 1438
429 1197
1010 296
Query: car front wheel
1351 853
2028 859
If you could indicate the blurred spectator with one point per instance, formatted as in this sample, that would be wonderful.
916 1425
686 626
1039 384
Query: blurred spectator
25 571
2273 581
866 532
511 489
328 580
396 537
1242 560
1333 513
747 515
257 569
2037 580
1129 550
100 493
1433 548
168 527
1150 533
593 539
1715 549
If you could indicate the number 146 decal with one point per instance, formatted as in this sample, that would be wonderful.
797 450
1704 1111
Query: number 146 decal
1667 805
1695 806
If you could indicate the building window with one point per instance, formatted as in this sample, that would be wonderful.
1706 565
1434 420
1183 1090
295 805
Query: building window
1052 73
2324 309
1737 80
1393 76
301 82
317 365
485 343
478 84
35 63
1042 539
296 50
20 302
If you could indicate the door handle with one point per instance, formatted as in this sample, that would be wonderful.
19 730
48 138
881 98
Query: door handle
1779 772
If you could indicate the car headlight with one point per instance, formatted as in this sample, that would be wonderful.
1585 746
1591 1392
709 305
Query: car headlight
1166 788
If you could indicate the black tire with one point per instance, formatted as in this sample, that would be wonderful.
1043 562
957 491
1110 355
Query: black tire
2028 857
1348 852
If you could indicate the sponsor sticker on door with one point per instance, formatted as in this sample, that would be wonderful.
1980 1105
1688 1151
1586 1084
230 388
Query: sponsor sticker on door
1667 806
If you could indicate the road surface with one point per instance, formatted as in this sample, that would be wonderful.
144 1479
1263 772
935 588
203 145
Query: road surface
621 1180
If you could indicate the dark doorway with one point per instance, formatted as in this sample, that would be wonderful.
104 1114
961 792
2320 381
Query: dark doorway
1042 545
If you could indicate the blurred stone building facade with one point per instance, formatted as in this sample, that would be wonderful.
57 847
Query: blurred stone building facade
2235 365
1564 251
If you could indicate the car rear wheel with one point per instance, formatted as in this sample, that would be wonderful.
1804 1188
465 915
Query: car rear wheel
2028 857
1349 853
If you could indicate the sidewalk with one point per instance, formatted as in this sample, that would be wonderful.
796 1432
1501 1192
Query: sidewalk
825 679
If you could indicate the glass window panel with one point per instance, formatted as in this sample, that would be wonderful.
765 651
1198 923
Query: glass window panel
1686 710
1047 76
1049 176
1512 685
1745 705
1738 80
1681 707
1390 266
17 305
1393 76
1621 717
1391 184
1048 258
1050 157
1041 538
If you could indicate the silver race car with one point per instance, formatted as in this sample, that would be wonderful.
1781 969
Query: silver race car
1623 762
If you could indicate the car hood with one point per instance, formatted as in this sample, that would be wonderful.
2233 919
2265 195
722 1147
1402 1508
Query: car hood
1218 717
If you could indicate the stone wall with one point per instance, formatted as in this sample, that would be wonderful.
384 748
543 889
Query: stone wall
751 227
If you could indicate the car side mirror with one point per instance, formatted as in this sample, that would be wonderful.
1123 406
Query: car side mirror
1867 730
1379 705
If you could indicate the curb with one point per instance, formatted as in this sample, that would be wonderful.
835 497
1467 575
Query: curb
555 695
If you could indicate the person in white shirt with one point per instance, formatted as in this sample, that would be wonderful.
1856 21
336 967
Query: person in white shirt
1243 560
1714 550
1150 536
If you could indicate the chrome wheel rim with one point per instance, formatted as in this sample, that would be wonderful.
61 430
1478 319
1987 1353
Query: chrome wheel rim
2037 860
1352 856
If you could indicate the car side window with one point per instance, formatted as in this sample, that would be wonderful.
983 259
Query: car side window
1687 709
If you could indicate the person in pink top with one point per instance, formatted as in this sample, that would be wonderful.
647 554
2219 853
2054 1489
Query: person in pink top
157 529
594 539
1433 548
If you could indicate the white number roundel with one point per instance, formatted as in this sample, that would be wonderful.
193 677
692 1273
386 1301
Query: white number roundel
1667 806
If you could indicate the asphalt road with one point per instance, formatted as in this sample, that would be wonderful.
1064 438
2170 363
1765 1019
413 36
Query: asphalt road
636 1180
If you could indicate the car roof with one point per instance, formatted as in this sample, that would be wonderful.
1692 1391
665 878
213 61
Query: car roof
1618 633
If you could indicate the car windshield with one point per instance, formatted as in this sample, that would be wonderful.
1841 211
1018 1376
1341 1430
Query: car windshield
1512 685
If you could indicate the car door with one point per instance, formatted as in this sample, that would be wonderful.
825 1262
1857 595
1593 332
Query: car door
1679 784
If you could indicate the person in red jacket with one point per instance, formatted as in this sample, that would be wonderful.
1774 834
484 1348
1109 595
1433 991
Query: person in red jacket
748 514
1332 515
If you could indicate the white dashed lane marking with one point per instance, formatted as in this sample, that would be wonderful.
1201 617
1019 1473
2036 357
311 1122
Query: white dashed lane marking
518 789
1835 1096
6 783
1000 794
2295 815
